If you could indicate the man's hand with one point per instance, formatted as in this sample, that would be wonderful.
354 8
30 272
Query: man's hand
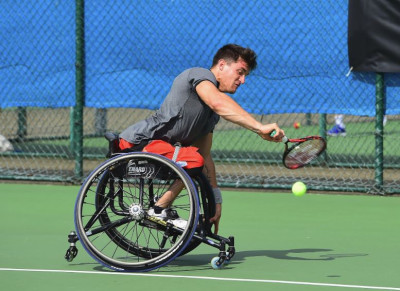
215 220
266 130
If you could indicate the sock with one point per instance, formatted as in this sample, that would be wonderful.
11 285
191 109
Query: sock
157 209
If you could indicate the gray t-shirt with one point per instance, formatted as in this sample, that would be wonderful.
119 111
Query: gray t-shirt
183 117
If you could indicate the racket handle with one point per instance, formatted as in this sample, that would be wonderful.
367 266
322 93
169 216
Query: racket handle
284 139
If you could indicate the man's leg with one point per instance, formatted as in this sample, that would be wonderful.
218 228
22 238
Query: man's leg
166 200
162 207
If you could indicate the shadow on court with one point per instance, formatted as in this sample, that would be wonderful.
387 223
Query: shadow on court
193 262
292 254
202 260
295 254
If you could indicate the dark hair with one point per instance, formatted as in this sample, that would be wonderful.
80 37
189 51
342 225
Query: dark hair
232 52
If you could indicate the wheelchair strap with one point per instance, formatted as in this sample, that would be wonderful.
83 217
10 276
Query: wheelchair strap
176 151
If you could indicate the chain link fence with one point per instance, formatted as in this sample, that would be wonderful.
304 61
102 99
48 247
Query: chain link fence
70 71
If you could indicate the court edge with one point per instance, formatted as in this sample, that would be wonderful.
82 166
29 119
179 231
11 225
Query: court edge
202 278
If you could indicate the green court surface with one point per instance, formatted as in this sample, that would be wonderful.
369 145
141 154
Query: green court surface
283 242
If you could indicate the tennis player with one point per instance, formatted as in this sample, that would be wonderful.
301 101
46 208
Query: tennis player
187 117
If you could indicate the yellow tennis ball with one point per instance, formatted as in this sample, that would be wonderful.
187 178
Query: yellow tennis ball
299 189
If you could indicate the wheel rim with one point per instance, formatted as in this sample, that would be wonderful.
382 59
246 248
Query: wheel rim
135 243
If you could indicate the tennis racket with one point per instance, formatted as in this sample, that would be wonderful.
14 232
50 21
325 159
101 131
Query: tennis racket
302 151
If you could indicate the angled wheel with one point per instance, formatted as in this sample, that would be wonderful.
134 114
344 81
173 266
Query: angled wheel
207 210
111 216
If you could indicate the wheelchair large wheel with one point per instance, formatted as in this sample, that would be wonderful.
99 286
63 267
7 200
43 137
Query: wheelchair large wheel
111 212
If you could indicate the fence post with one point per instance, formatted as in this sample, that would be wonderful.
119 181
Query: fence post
379 113
100 121
322 131
22 123
77 124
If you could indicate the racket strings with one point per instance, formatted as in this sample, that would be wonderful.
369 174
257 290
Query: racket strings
303 153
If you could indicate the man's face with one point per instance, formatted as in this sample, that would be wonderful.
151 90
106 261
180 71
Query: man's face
232 75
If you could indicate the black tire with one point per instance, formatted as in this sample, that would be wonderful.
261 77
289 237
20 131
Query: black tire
207 210
111 212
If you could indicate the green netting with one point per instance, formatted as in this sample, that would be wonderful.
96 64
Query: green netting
44 151
56 110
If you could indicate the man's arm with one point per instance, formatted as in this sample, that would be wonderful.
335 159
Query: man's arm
229 109
204 144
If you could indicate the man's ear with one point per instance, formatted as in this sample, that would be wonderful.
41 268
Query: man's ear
221 64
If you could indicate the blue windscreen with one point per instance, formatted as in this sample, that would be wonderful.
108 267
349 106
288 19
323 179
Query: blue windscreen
134 49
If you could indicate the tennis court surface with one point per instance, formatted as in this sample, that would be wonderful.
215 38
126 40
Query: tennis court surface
283 242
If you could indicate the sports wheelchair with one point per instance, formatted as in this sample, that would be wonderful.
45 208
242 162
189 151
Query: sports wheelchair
112 221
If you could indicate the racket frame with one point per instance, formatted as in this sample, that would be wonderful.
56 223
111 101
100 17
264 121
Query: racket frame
296 142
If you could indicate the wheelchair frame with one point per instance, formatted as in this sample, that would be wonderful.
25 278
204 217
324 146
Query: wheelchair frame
112 223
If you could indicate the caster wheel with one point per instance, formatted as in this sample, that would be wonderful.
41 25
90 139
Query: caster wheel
214 263
71 253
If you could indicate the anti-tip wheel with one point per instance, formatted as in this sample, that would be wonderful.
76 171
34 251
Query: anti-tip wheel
214 263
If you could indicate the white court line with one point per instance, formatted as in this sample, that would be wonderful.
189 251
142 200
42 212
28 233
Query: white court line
202 278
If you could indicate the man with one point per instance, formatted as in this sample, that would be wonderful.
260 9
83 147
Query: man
189 114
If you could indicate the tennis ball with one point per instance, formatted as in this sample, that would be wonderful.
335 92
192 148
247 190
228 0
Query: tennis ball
299 189
296 125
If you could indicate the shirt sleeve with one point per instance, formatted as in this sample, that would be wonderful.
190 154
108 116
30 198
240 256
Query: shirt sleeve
197 75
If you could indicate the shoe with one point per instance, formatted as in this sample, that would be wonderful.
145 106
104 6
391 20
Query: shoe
179 223
168 214
163 213
337 131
